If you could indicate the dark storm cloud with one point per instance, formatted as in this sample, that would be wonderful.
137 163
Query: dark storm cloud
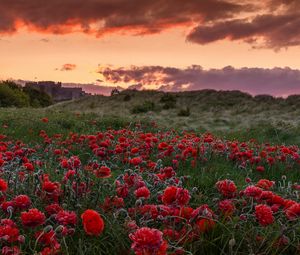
277 26
146 16
274 31
271 23
275 81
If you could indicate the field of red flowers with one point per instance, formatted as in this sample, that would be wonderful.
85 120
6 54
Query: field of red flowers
135 191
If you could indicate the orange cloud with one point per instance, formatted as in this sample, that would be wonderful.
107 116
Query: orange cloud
68 67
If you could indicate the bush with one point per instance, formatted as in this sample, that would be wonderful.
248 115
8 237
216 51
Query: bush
169 101
169 105
12 95
184 112
168 97
143 108
264 98
92 105
127 98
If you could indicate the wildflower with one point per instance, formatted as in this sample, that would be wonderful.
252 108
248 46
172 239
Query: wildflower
103 172
47 238
142 192
226 207
50 187
33 218
227 188
111 202
29 167
252 191
66 217
260 169
50 251
182 196
169 195
293 212
53 209
45 120
264 215
7 206
3 185
14 250
92 222
205 225
265 184
204 218
122 191
8 231
22 202
136 161
148 241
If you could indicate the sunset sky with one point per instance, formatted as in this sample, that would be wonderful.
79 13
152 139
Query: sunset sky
165 44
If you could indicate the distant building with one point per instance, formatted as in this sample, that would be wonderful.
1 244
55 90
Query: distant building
115 91
56 91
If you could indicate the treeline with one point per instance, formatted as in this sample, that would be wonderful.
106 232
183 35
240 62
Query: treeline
14 95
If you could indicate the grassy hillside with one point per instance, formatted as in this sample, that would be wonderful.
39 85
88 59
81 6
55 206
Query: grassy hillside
206 110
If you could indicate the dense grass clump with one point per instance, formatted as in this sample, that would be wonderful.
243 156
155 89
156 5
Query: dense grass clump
145 107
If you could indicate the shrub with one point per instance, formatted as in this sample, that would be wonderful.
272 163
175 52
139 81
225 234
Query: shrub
184 112
168 97
144 107
127 98
264 98
169 101
12 95
92 105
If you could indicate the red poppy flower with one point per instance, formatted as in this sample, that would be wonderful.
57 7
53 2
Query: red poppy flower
169 195
6 250
252 191
66 218
142 192
264 215
45 120
47 238
226 207
22 202
260 169
93 224
265 184
182 196
148 241
227 188
103 172
29 167
33 218
136 161
205 225
3 185
293 212
9 232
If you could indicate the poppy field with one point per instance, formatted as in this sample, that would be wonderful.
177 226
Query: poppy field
140 189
